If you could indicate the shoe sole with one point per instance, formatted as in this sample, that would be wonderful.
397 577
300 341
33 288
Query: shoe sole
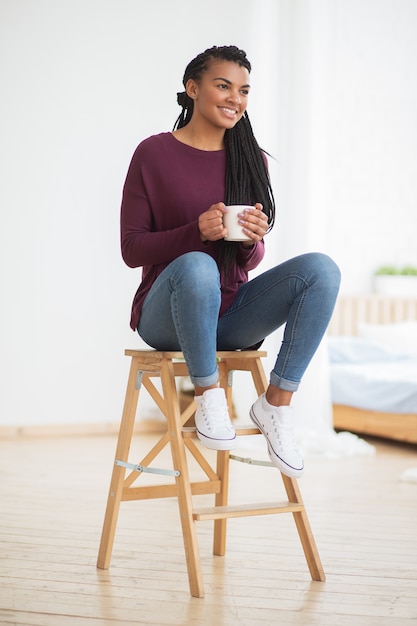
217 444
283 466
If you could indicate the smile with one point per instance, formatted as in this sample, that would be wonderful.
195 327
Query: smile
230 112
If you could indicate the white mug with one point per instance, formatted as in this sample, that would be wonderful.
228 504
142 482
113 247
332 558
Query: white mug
231 222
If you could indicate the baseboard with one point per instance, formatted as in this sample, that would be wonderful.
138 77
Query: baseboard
78 430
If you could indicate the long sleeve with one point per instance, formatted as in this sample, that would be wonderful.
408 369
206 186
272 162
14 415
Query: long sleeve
141 243
167 187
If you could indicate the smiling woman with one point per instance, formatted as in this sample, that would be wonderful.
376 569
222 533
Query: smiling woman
195 295
220 99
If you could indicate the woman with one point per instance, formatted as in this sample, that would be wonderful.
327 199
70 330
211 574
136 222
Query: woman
195 295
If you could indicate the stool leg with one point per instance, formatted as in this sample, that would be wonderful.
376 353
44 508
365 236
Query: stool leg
291 487
221 499
223 461
116 483
304 531
258 376
173 415
223 464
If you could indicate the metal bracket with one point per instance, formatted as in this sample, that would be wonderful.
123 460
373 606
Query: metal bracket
139 376
148 470
230 378
250 461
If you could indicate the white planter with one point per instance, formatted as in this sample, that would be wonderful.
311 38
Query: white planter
400 286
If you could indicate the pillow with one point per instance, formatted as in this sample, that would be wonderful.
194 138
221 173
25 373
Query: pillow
399 338
349 349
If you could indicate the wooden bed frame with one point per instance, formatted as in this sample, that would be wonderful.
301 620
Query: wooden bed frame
373 309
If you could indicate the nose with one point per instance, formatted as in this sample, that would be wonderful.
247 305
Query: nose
235 97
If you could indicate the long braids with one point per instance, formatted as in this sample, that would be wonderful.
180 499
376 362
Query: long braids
247 178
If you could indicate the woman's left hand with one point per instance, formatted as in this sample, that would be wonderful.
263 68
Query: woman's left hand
255 225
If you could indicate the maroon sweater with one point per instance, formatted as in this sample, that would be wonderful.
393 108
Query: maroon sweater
167 187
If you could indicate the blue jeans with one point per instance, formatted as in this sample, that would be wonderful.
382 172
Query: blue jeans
181 312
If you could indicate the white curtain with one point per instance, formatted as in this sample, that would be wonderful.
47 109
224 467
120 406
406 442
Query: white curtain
291 91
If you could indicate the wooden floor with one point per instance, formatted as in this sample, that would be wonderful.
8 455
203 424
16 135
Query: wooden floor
52 500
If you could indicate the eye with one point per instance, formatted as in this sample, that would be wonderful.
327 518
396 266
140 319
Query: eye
244 92
222 86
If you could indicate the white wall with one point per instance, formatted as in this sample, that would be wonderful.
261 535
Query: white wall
371 186
349 133
83 81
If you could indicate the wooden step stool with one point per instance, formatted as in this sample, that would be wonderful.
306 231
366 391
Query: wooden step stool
166 366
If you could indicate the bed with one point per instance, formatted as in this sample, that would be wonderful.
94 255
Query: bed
372 343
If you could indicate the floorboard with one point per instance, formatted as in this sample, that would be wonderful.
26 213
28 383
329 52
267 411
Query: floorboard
52 499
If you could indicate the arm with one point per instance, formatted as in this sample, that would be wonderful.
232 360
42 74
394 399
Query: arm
145 240
143 247
249 258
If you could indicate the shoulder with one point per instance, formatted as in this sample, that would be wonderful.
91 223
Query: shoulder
153 151
155 143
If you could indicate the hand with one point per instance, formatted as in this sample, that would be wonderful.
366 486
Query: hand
210 223
254 223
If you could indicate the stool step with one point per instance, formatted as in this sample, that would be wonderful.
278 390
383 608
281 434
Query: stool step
245 510
247 429
189 431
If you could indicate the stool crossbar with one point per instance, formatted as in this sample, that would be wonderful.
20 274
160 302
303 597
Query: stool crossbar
145 366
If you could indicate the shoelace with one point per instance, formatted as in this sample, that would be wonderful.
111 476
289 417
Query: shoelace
284 434
216 416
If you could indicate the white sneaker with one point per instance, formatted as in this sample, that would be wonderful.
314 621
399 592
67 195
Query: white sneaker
214 428
277 424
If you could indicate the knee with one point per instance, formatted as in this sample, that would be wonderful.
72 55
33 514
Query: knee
199 270
325 269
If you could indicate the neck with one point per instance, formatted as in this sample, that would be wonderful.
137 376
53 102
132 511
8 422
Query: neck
196 138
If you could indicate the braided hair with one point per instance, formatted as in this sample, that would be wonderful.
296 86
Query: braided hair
247 179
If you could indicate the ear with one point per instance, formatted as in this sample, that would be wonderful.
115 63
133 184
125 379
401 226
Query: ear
191 87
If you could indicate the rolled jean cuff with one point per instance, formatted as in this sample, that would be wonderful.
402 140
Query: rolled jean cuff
283 383
205 381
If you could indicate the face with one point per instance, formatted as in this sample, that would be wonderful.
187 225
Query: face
221 96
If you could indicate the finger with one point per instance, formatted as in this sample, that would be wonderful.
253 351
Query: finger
251 220
220 207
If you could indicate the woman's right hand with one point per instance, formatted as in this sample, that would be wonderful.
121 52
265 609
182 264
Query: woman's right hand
210 223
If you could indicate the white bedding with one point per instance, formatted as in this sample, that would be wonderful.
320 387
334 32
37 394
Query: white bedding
367 375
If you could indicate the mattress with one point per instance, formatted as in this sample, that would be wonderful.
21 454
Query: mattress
366 375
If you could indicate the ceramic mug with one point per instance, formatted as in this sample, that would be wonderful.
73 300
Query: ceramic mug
231 222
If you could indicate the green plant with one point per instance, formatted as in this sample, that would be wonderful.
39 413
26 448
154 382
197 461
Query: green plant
409 270
391 270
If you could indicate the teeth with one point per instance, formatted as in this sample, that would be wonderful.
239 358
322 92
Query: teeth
228 110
